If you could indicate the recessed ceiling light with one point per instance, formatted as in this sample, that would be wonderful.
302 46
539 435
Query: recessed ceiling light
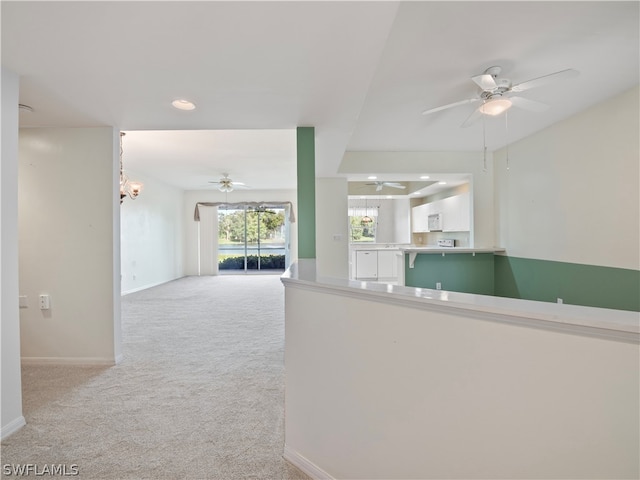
415 193
183 104
389 196
424 177
442 183
372 177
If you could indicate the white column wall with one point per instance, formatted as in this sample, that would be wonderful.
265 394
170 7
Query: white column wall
69 232
11 396
332 227
571 192
151 235
191 197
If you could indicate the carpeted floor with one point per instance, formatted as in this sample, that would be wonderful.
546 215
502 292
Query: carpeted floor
199 394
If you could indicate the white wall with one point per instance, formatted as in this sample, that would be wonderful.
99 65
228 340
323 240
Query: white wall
332 227
402 224
69 233
571 192
11 396
191 197
152 233
379 390
438 162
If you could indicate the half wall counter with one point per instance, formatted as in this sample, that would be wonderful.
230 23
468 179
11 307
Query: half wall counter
389 381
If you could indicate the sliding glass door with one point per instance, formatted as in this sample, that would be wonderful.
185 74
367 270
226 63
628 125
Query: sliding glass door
252 239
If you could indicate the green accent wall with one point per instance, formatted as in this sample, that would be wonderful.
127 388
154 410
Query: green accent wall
527 279
306 170
576 284
458 272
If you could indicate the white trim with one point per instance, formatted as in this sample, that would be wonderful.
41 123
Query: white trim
305 465
145 287
12 427
89 361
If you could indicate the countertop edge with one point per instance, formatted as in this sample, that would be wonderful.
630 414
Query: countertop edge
605 323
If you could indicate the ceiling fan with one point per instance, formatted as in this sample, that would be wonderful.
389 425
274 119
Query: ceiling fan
381 185
496 94
225 184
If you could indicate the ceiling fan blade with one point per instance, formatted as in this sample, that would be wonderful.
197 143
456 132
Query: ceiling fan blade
450 105
475 115
552 77
394 185
530 105
485 81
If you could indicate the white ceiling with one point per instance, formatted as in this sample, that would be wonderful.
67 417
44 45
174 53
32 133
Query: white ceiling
360 72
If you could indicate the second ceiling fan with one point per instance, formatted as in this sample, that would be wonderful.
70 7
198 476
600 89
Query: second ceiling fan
497 94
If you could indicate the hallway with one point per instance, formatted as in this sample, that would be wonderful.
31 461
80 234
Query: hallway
199 394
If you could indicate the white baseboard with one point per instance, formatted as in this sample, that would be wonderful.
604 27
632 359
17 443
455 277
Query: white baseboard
89 361
145 287
305 465
12 427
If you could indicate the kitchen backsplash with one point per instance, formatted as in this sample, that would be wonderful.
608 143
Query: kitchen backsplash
431 238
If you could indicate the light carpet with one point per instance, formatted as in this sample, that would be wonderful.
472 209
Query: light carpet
198 395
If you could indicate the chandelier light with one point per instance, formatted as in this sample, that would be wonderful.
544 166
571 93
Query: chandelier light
127 187
366 220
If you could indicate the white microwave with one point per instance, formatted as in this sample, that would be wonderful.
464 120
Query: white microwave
434 222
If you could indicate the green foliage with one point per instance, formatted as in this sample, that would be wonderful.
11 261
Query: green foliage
267 262
231 225
360 233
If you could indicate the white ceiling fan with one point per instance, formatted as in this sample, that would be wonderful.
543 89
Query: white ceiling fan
225 184
381 185
496 94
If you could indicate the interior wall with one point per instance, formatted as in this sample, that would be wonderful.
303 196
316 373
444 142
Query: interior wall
571 192
377 390
332 229
191 197
11 388
152 233
69 244
438 162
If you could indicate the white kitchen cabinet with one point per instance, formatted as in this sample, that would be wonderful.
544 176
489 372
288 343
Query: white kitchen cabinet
419 218
456 213
387 264
366 264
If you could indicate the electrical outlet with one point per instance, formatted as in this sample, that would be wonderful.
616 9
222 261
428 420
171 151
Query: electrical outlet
560 301
438 286
45 302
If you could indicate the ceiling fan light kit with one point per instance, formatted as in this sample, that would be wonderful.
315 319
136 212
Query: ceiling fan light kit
495 106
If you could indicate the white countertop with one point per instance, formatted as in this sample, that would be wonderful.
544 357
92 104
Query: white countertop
436 249
612 324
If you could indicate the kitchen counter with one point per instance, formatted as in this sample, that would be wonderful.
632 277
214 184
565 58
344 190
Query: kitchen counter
599 322
429 249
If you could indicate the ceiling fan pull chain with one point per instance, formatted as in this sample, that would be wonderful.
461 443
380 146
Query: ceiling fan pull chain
506 127
484 145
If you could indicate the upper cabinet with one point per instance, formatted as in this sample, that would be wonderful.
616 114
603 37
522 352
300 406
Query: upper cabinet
455 212
419 218
456 215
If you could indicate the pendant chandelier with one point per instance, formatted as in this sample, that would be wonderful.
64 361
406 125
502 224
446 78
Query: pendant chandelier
366 220
127 187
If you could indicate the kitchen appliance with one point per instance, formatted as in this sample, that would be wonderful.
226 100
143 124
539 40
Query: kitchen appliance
434 222
446 242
